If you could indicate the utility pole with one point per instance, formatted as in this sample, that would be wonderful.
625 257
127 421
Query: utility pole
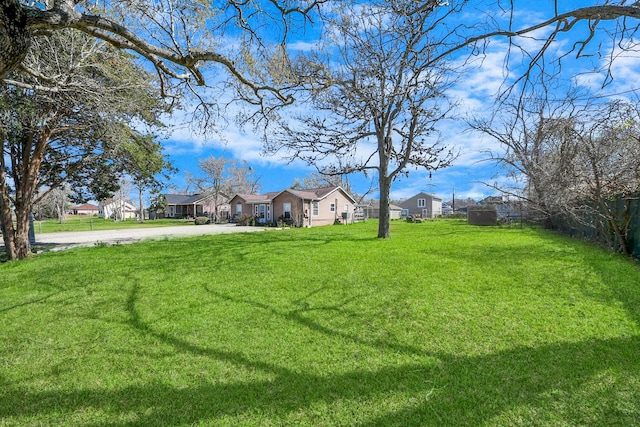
453 200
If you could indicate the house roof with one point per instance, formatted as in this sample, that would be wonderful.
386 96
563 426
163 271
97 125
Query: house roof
424 195
257 198
183 199
311 194
85 207
107 202
318 193
491 200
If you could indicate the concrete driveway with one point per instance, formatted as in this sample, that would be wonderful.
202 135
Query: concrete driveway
60 241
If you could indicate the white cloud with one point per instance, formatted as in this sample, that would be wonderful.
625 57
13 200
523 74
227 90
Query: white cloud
303 46
618 73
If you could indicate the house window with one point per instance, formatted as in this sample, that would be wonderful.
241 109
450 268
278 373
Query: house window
239 208
333 207
346 207
314 209
422 203
286 210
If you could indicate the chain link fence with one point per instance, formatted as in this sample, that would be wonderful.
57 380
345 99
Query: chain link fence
615 224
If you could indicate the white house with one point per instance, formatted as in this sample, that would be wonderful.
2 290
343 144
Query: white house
117 209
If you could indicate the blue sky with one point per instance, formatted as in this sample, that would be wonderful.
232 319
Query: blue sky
474 94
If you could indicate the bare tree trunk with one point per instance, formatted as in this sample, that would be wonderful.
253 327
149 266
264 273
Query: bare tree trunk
6 219
384 218
140 203
384 182
17 238
22 244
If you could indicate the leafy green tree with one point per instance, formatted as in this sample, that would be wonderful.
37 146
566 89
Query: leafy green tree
145 164
158 202
66 124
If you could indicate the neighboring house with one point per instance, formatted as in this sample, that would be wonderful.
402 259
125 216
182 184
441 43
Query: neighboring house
423 204
184 206
302 208
86 209
117 208
258 205
372 210
446 209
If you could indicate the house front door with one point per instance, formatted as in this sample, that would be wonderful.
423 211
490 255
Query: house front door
262 213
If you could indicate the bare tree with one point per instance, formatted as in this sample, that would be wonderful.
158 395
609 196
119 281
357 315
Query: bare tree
66 129
318 180
54 204
186 42
609 169
538 141
223 178
375 102
580 160
183 40
121 198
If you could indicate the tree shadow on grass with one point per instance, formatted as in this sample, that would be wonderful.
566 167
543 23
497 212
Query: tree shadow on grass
457 391
447 390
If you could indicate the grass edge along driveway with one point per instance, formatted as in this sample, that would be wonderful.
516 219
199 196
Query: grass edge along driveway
443 324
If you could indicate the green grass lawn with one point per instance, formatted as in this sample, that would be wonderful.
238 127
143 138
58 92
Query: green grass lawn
88 223
444 324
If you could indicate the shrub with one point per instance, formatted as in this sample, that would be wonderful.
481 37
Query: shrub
458 215
246 219
201 220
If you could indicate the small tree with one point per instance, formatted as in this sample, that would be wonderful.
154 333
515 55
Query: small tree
158 202
143 161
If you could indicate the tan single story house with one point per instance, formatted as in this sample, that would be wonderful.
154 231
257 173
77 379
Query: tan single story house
301 208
